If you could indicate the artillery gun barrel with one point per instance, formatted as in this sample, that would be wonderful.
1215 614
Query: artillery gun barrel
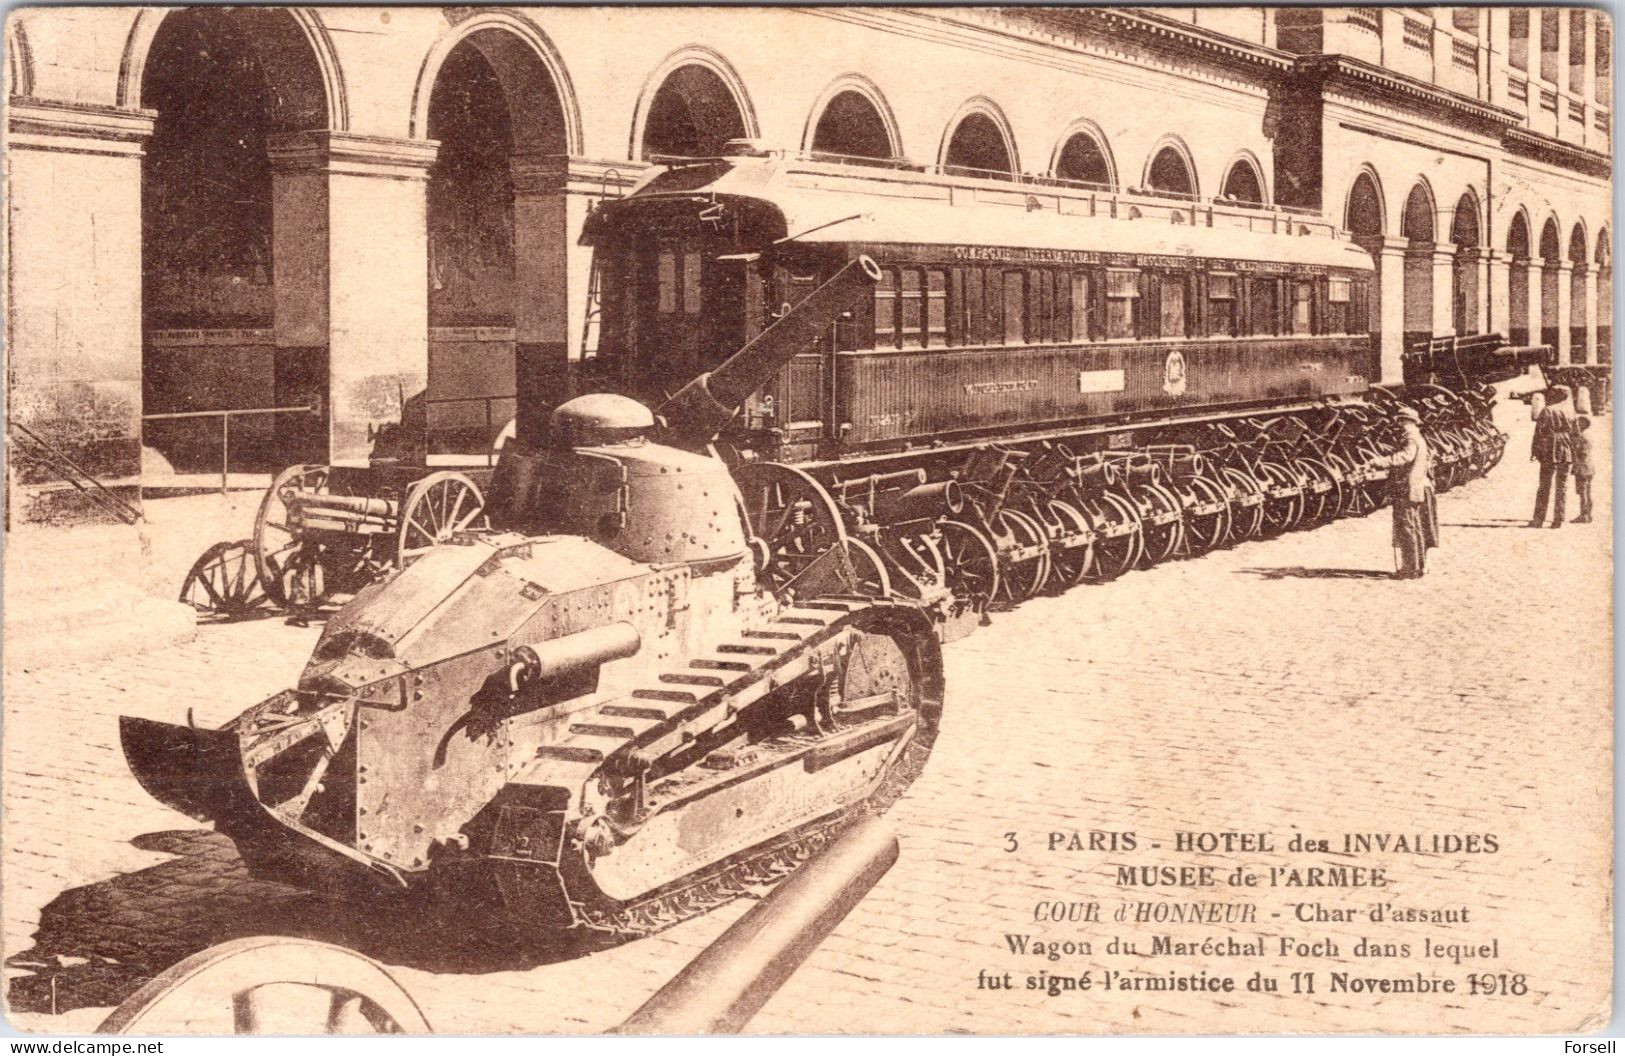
572 652
919 503
708 402
362 504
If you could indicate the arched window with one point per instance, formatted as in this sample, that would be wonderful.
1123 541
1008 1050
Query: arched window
693 114
1083 159
1417 224
980 146
851 125
1243 184
1170 172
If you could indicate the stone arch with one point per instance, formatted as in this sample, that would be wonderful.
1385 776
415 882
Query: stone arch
1519 249
1083 154
19 60
221 252
1364 211
978 141
693 102
1551 255
1579 257
1418 225
1170 169
1244 180
526 61
1603 258
311 95
851 113
1466 234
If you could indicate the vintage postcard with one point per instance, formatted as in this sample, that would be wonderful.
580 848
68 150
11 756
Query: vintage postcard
826 520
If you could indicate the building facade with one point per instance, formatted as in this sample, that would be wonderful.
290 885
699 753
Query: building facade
370 217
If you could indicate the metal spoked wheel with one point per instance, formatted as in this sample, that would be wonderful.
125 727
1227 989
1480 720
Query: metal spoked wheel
1163 524
289 564
1323 498
1283 511
1205 532
869 575
270 985
1021 579
437 508
1247 507
794 517
224 581
971 564
1069 566
1121 538
917 559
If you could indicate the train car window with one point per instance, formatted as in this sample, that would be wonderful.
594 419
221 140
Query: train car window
1080 306
1221 298
992 318
936 308
1122 290
1261 307
1063 307
1303 307
1015 309
956 313
691 284
910 309
1173 306
1037 319
973 307
886 309
1338 298
667 272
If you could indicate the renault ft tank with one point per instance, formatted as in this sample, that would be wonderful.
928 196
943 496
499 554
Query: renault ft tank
604 714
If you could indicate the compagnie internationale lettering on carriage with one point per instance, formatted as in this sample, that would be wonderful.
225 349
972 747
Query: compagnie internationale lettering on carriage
690 622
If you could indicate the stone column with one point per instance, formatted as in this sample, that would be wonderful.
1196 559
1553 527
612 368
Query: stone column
1591 355
1535 269
1391 311
1444 290
1498 305
542 245
350 247
1480 310
1500 49
74 340
1565 306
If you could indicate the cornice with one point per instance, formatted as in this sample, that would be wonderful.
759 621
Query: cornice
76 128
1157 31
1351 72
1529 144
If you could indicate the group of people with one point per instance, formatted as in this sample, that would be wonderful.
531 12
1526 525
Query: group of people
1561 446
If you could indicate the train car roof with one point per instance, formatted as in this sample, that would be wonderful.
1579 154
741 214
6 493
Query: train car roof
810 215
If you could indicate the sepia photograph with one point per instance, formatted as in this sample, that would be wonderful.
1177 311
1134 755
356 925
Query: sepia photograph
829 520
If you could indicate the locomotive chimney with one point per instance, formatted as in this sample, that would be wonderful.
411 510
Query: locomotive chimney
708 402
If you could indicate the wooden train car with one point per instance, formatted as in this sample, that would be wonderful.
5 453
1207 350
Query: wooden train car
1001 310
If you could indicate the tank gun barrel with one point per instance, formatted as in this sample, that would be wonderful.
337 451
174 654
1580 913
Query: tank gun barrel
708 402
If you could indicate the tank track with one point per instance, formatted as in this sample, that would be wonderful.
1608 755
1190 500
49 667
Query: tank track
756 663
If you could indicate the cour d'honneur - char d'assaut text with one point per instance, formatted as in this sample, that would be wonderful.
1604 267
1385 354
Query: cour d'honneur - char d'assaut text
1271 939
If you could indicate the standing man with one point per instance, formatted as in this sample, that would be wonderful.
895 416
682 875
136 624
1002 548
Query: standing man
1410 485
1555 431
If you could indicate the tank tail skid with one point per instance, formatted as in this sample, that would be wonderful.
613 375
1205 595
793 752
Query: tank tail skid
716 777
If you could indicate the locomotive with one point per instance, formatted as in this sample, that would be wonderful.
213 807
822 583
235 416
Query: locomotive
693 641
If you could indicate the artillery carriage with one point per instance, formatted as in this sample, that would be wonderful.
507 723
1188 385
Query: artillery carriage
657 657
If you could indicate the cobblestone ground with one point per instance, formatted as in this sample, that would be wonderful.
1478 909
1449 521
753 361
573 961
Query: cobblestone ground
1279 687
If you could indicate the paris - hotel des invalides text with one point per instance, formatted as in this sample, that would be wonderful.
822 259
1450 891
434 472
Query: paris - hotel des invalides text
808 520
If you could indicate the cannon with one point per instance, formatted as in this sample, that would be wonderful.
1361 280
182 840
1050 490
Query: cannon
645 690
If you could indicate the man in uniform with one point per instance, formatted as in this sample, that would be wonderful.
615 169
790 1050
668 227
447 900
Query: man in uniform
1555 430
1410 485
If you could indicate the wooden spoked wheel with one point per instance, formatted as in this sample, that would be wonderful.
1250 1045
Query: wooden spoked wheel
1021 579
1346 489
1205 532
1119 551
916 561
869 575
270 985
1162 524
793 516
288 561
437 508
1321 505
224 581
1069 566
971 564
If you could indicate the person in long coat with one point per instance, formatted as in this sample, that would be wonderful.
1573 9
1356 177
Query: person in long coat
1553 448
1410 488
